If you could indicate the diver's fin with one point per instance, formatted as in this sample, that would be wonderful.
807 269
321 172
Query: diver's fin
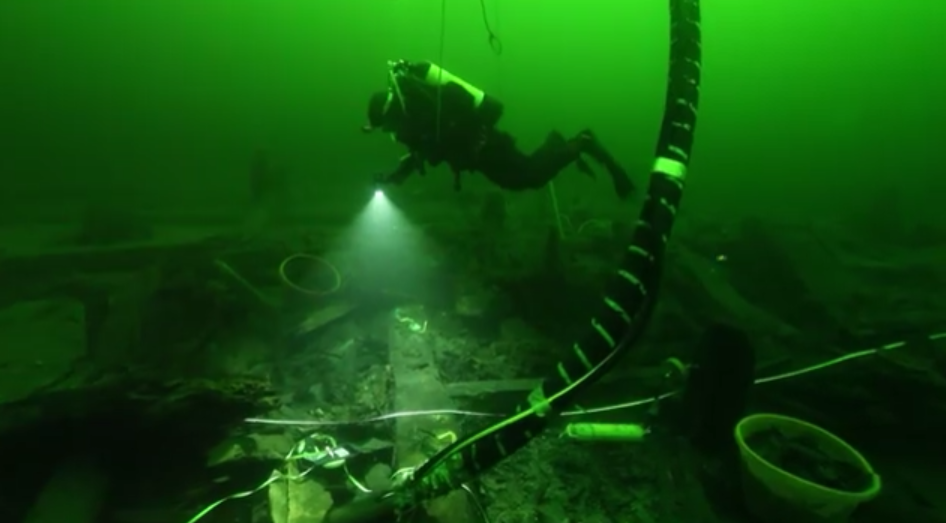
590 145
585 169
623 185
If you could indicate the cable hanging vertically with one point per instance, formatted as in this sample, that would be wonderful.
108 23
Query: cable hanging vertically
492 37
443 46
497 17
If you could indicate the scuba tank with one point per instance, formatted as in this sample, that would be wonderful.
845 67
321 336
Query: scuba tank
487 108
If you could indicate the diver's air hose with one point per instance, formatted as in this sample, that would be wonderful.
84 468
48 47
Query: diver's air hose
629 298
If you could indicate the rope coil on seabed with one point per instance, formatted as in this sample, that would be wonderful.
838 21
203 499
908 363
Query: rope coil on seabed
335 274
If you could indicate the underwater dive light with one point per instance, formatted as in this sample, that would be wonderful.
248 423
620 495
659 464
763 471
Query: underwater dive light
605 432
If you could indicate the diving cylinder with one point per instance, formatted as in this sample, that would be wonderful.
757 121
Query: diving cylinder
489 108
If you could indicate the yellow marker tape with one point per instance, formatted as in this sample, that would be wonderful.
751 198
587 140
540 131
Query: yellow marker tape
449 436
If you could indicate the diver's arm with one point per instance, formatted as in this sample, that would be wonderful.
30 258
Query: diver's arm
409 164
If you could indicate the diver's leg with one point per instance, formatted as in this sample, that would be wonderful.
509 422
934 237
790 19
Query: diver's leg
502 163
557 153
508 167
589 144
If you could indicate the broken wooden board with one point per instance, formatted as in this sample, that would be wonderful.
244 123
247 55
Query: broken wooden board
81 394
487 387
702 276
320 317
42 341
118 337
120 257
417 387
652 376
293 501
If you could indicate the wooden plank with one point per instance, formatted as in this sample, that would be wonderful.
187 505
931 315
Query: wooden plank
649 375
417 386
482 388
41 342
42 265
641 377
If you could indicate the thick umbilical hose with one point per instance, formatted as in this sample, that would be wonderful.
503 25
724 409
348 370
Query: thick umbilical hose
628 301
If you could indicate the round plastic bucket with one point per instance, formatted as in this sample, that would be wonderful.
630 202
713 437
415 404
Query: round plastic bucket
777 496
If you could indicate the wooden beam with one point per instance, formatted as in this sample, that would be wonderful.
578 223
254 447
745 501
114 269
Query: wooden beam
640 377
417 386
481 388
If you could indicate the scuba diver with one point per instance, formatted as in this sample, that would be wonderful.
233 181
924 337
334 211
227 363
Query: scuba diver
441 118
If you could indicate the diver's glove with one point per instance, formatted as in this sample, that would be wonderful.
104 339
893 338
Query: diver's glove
395 178
408 164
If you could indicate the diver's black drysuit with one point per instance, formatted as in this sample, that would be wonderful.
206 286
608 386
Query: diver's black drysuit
442 119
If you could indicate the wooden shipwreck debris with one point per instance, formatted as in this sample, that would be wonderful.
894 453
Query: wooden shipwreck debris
418 387
484 388
322 316
87 394
41 343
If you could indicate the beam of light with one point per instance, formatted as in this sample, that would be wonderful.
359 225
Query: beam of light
382 250
381 224
380 213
